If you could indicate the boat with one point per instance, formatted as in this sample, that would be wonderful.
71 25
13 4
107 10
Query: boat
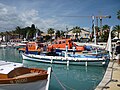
67 58
61 44
31 47
20 45
3 45
15 76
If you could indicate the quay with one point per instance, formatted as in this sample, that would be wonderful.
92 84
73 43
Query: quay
111 79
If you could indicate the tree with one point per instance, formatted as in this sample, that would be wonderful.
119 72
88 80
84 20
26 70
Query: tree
105 32
32 31
18 30
77 30
118 14
62 33
50 31
117 29
57 34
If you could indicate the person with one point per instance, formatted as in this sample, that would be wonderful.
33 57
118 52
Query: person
117 52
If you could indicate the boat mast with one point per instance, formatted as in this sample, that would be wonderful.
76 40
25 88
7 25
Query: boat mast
93 22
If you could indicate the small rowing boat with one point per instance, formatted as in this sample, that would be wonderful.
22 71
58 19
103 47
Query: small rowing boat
14 76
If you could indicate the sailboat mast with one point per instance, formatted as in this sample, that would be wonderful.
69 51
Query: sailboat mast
93 22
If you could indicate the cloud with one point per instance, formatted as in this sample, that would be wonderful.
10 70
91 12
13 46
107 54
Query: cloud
10 18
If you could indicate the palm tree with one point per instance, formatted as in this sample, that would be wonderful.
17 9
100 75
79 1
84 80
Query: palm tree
18 31
117 29
118 14
105 28
62 33
57 34
50 31
77 30
105 32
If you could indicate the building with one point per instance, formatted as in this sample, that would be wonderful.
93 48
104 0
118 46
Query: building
83 34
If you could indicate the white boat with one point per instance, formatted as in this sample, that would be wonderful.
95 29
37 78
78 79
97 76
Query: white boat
3 45
67 59
14 76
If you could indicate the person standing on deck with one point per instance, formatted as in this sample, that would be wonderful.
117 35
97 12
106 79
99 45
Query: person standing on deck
117 52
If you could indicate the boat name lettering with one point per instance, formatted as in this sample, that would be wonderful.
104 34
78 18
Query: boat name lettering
21 80
18 80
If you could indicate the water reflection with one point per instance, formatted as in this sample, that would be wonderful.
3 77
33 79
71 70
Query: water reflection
72 77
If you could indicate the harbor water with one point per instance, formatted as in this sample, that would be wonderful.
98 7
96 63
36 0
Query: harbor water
63 77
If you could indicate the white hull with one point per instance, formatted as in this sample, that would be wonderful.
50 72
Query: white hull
39 85
63 60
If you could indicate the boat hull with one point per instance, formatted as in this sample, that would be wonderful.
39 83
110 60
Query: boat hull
63 60
39 85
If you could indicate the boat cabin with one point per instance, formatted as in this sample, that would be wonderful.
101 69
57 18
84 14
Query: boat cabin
62 45
31 47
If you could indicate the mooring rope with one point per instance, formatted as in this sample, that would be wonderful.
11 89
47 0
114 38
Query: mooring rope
59 81
62 84
68 87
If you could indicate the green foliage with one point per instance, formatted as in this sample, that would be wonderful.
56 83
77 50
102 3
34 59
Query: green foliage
57 33
50 31
118 14
76 29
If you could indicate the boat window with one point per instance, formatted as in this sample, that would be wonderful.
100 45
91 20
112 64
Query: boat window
59 42
55 42
63 41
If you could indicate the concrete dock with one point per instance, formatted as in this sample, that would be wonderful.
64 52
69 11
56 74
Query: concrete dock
111 79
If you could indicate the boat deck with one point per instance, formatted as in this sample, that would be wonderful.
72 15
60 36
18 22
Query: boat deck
27 75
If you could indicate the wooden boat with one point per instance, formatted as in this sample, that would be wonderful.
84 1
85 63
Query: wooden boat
67 59
31 47
14 76
61 45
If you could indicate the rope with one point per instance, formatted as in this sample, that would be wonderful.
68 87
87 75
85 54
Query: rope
62 84
59 81
69 87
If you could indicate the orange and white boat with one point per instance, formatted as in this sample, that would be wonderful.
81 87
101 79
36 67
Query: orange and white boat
61 45
16 77
31 47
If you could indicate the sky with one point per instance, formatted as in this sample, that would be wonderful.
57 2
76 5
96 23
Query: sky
57 14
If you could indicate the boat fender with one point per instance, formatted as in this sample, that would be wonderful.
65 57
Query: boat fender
68 63
75 59
103 63
86 63
51 60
